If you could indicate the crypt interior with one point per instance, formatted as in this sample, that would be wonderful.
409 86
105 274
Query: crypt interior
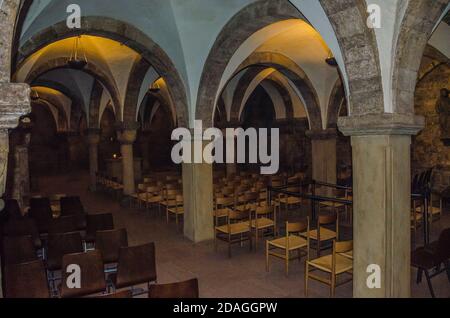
86 122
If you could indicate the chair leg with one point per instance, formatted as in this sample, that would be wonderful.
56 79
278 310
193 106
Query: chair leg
447 268
306 278
267 257
430 286
333 285
286 260
419 275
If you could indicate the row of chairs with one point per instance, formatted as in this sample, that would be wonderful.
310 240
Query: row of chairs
298 239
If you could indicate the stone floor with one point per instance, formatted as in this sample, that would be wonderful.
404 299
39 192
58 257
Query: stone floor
242 276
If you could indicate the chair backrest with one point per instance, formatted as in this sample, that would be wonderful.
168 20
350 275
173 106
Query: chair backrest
26 280
60 245
12 209
110 242
343 247
71 206
92 278
264 210
99 222
222 202
137 265
297 227
327 219
18 249
37 203
23 227
64 224
182 290
442 251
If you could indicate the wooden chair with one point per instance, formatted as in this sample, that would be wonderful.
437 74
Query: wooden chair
136 266
139 197
322 234
124 294
264 221
176 209
65 224
182 290
26 280
289 201
95 223
291 242
416 216
23 227
221 206
18 249
429 260
92 278
236 231
109 244
41 212
60 245
334 265
71 206
153 196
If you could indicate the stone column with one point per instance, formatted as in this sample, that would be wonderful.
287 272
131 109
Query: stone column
93 137
72 140
14 103
323 155
127 136
21 186
382 199
198 200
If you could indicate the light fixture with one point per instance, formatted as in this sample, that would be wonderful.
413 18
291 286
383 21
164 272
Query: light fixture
78 59
331 60
34 95
154 88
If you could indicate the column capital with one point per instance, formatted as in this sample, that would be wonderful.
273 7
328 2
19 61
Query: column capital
381 124
325 134
126 137
14 103
93 136
127 126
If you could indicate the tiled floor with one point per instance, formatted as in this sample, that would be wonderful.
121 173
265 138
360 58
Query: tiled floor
243 275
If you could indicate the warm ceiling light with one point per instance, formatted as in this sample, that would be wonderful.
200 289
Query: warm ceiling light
331 60
154 88
78 59
34 95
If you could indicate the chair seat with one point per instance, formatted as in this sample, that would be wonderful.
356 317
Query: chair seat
178 211
235 228
295 242
431 210
423 258
244 207
325 234
332 204
324 263
263 223
221 213
154 199
419 217
290 200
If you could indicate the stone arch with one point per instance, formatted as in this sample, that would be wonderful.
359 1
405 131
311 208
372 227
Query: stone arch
296 75
164 104
360 53
287 101
348 20
337 97
8 12
124 33
416 28
137 76
94 105
91 69
77 103
249 20
438 59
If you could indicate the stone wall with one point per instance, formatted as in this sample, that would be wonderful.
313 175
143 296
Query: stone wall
428 150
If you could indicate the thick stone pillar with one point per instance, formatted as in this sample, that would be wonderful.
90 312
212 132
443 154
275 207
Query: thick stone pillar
382 199
93 137
21 184
127 136
323 155
198 200
14 103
